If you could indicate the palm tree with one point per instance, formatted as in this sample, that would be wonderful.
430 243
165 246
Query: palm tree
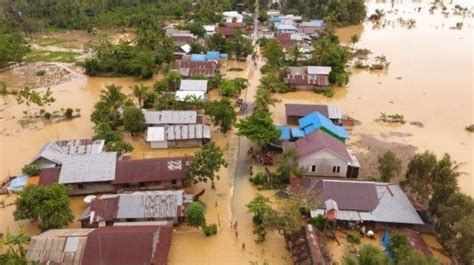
140 91
113 95
196 101
320 51
295 53
263 98
381 59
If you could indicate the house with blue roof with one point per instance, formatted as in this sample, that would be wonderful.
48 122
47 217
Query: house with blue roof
209 56
317 121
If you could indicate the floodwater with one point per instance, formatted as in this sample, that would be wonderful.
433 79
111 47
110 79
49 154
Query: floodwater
430 80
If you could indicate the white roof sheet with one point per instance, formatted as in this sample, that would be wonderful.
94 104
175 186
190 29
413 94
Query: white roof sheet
151 204
319 70
209 28
170 117
155 134
334 112
188 132
186 48
183 95
193 85
88 168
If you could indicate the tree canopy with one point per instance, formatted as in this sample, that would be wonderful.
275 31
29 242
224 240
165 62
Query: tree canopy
15 245
222 114
134 119
389 166
206 163
258 128
195 214
47 204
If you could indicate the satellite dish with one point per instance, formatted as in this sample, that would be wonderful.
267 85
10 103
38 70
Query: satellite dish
88 199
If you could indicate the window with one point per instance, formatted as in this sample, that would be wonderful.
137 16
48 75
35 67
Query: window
173 181
80 186
334 169
338 169
313 168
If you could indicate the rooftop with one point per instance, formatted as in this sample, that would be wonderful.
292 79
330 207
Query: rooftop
88 168
320 140
170 117
182 95
154 169
315 121
57 151
300 110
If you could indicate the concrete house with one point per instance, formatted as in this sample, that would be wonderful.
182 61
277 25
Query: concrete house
150 206
190 88
322 155
308 77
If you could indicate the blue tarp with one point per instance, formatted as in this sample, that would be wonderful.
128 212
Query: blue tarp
198 57
297 133
387 243
223 55
284 133
212 55
315 121
317 22
18 183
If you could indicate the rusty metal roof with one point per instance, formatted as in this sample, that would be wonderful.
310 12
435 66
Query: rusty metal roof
49 175
301 110
320 140
130 245
148 170
105 209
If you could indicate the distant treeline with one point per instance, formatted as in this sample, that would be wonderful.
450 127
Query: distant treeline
340 12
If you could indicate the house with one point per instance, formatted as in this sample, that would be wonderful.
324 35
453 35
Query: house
294 112
313 27
308 247
54 153
361 201
187 135
233 16
210 29
285 28
322 155
103 173
228 32
130 244
193 85
189 68
150 206
89 173
307 77
181 51
209 56
171 117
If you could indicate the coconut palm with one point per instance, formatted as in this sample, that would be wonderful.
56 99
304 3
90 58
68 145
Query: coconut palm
295 53
140 91
113 96
195 101
320 51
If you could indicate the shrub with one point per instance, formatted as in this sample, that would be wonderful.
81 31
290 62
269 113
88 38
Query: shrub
195 214
209 230
40 72
354 237
259 179
318 222
47 115
68 113
31 169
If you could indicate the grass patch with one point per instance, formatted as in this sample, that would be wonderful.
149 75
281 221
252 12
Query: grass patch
51 56
48 41
327 91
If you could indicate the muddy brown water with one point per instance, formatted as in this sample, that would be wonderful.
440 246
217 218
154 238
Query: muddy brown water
429 80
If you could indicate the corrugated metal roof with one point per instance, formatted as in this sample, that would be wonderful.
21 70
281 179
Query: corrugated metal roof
319 70
155 134
187 132
150 204
316 120
301 110
88 168
170 117
284 133
150 170
193 85
49 175
334 112
320 140
187 95
58 151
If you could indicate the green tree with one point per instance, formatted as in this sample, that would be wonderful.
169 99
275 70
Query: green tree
419 175
222 114
295 53
140 92
389 166
195 214
328 52
463 242
354 39
15 244
288 165
107 109
13 46
47 204
241 46
271 81
274 54
31 169
218 42
172 80
30 97
197 29
258 128
263 98
206 163
368 255
134 120
444 183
